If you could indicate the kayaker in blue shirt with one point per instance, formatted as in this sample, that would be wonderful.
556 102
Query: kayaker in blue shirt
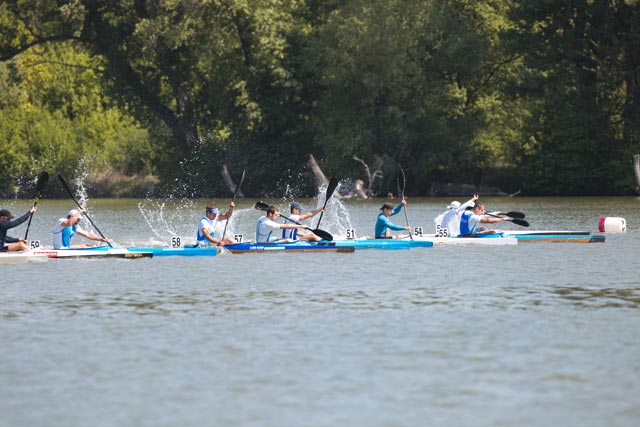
472 217
383 224
8 243
66 228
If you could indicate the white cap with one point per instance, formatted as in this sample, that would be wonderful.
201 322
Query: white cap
72 212
454 205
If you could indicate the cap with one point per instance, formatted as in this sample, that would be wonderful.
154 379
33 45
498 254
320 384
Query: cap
5 212
454 205
386 206
213 210
296 205
72 212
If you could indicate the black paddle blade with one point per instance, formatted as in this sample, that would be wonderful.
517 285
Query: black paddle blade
331 187
261 206
404 182
43 178
519 221
516 214
324 235
477 178
64 183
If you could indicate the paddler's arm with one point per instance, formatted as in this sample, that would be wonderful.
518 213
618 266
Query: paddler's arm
228 213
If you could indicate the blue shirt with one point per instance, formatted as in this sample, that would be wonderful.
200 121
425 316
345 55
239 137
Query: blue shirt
62 235
383 223
468 223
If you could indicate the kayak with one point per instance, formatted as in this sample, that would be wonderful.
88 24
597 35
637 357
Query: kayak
387 244
558 236
7 258
477 240
299 246
95 252
184 251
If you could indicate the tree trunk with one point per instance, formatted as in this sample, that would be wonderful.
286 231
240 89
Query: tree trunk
228 181
321 178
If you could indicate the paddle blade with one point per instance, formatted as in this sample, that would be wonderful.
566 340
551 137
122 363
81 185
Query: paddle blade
261 206
324 235
333 184
235 194
477 178
520 222
515 214
65 184
43 178
404 182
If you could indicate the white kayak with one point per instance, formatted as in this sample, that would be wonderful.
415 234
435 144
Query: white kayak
478 240
7 258
95 252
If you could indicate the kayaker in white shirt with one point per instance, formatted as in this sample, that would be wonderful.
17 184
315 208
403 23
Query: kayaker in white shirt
207 226
298 216
267 225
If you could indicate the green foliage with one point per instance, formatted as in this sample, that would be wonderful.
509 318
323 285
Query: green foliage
542 94
56 114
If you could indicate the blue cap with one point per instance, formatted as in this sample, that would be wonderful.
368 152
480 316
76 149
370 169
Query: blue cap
296 205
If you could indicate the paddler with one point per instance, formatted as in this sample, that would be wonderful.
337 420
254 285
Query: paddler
267 225
384 224
471 217
207 226
298 216
450 220
8 243
66 228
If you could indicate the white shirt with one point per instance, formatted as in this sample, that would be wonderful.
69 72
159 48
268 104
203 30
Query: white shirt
291 233
208 224
451 221
265 228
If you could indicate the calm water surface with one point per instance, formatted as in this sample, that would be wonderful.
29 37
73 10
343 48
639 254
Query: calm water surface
531 335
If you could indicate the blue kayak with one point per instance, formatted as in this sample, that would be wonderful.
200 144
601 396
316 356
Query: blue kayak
387 244
299 246
185 251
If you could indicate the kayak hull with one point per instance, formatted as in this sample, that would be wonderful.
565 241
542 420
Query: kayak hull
93 253
557 236
480 240
387 244
9 258
186 251
240 248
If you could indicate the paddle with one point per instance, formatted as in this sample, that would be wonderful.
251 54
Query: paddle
324 235
235 193
404 184
65 184
512 214
477 178
43 178
517 221
331 187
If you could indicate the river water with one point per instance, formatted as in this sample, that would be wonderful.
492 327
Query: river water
536 334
